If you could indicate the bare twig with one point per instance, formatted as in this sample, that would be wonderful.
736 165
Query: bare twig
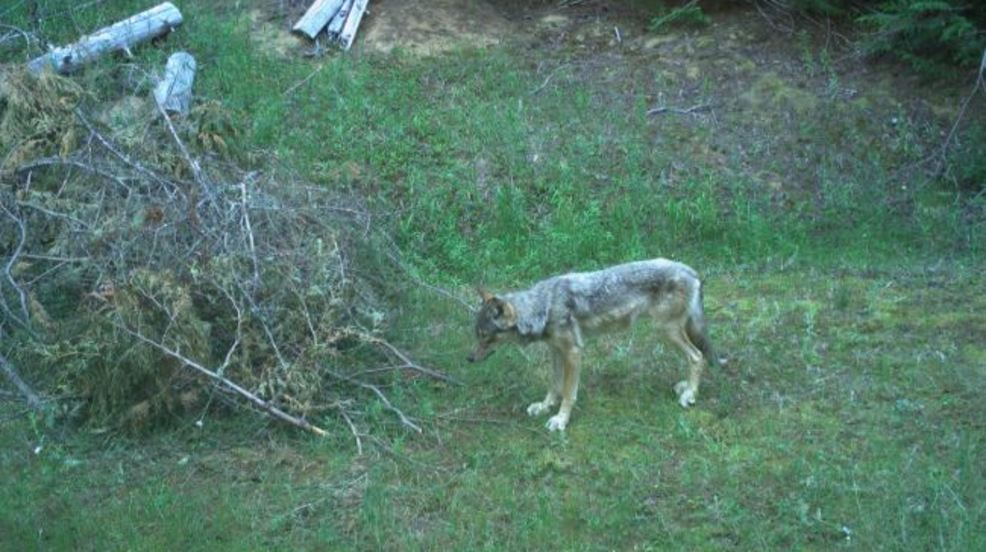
408 363
548 79
192 163
665 109
226 382
431 287
22 239
249 232
380 395
29 395
352 428
943 152
302 82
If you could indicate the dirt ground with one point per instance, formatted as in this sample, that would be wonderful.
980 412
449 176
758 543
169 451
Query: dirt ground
743 92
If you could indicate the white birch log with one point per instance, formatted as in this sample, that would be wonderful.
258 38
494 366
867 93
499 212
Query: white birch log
339 19
120 36
317 17
348 33
174 92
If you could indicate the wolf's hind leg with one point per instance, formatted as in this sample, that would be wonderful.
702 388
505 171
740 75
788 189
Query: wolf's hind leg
687 390
554 389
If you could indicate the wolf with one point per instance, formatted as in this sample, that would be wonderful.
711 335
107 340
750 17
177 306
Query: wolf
563 310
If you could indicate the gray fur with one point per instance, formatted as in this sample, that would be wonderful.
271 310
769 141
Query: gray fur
562 310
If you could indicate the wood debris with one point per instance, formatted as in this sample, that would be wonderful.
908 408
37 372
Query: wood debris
339 18
122 35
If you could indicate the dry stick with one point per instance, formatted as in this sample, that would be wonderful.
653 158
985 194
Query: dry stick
32 398
249 230
302 81
426 285
383 398
192 164
352 428
262 404
548 79
665 109
408 363
57 161
965 105
119 154
10 264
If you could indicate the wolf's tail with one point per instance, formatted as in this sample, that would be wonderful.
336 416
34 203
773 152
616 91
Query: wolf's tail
696 328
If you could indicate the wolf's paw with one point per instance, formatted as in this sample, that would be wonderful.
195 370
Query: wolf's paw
686 393
538 408
557 422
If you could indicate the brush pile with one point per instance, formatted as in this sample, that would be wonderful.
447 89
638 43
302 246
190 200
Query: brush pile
144 276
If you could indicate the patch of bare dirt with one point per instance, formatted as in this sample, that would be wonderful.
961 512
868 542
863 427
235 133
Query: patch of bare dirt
429 27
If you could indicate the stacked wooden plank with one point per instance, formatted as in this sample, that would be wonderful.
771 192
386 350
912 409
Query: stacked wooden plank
339 18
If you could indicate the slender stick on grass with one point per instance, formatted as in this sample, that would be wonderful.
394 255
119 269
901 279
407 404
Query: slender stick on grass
688 111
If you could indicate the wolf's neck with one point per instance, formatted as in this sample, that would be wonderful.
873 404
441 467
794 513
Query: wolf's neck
533 309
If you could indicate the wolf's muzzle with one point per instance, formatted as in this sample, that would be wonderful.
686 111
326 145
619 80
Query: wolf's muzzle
480 354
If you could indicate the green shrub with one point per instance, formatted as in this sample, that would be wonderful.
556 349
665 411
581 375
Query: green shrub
927 33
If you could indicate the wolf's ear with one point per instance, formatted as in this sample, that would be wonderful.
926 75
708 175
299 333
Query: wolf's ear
486 296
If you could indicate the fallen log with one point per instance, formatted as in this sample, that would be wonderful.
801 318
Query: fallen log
317 17
348 33
174 92
146 25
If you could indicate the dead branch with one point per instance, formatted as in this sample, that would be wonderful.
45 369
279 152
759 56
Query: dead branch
227 383
380 395
29 395
943 151
25 317
410 364
352 428
688 111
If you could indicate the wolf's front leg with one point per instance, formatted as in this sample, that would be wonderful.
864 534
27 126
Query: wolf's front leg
554 390
569 393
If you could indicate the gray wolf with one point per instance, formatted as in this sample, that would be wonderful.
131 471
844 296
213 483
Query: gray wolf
563 310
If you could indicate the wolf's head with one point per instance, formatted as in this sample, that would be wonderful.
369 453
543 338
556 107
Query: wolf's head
495 322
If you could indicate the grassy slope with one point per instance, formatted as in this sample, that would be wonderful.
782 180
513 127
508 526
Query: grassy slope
849 413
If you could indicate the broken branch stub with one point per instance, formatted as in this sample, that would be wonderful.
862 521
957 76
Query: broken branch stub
174 92
122 35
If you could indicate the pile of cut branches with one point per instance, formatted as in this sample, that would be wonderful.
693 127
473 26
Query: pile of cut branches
145 276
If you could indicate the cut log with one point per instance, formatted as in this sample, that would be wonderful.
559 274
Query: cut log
174 92
339 19
121 36
317 17
348 33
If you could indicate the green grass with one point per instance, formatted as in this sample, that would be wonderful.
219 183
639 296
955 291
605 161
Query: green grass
851 311
848 415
